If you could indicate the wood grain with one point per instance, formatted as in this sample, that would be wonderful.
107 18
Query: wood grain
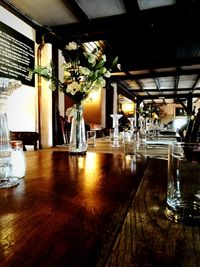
147 237
67 210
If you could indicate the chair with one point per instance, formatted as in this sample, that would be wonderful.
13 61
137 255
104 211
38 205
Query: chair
28 138
65 127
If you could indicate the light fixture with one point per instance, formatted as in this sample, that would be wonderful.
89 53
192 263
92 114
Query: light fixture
148 4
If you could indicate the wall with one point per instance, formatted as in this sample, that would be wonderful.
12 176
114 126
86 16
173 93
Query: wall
197 104
23 107
167 112
94 109
61 96
22 104
46 101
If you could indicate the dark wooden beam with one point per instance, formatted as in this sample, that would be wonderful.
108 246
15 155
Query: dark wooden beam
76 10
101 28
195 83
132 8
129 94
149 90
171 96
177 78
155 74
120 24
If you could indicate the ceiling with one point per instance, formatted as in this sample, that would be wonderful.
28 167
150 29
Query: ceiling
157 41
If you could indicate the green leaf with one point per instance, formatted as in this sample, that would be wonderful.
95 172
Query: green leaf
102 71
100 64
115 61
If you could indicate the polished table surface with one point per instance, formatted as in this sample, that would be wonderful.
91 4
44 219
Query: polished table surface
67 210
147 237
101 209
154 148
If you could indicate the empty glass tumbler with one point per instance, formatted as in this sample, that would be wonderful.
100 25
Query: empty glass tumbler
91 138
183 187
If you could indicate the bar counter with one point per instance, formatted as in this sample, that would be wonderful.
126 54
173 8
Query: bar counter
100 209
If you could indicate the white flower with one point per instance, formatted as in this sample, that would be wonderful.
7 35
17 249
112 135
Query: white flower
73 87
71 46
67 65
79 79
107 74
119 66
84 70
100 82
92 59
104 57
67 74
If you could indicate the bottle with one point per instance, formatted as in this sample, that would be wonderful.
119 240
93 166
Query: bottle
18 160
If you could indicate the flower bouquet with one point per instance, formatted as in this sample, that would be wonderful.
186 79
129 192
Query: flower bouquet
83 73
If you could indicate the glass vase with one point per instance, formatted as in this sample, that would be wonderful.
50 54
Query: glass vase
77 144
7 86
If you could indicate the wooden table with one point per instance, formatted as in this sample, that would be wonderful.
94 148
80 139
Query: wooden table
153 149
101 209
147 237
67 210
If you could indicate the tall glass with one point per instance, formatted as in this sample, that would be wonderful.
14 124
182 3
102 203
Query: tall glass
131 125
7 86
183 187
116 118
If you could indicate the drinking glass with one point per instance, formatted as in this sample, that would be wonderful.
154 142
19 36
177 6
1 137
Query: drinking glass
91 138
183 185
130 145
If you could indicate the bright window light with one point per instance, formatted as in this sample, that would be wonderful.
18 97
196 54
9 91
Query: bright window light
148 4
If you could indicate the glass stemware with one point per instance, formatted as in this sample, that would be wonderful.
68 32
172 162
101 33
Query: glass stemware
131 125
116 118
7 86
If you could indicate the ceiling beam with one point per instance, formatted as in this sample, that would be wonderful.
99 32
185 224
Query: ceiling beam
156 74
163 90
141 88
120 24
132 7
129 94
177 78
195 83
171 96
157 83
76 10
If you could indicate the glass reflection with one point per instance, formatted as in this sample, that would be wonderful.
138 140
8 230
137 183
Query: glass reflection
7 236
91 168
91 184
130 163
